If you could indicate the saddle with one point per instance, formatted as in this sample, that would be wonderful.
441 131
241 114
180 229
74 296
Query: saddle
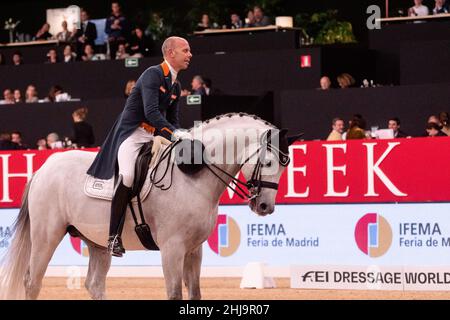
141 168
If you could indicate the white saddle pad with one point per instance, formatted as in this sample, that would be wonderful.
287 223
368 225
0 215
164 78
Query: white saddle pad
104 189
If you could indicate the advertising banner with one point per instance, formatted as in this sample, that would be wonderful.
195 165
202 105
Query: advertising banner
358 171
384 235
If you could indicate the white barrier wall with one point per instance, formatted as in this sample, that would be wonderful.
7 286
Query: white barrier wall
308 235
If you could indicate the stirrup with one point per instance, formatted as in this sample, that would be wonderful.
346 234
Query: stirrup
115 247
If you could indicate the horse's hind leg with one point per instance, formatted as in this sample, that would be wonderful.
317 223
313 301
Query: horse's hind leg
172 255
44 243
191 272
99 263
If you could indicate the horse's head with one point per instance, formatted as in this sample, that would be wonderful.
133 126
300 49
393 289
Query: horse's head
264 175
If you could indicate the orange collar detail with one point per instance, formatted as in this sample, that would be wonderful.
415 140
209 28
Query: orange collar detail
165 68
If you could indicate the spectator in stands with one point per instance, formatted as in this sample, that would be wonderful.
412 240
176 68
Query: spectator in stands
89 54
6 143
345 80
52 56
31 95
57 94
260 19
43 33
17 96
440 7
41 144
445 121
435 119
325 83
53 141
204 23
250 20
121 52
337 126
116 28
235 21
69 56
65 34
394 124
418 10
16 137
197 85
129 86
82 132
8 97
86 34
17 58
141 45
433 130
356 130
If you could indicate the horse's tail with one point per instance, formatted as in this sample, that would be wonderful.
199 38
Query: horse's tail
15 264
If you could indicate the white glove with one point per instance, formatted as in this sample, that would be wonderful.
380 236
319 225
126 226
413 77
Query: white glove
181 134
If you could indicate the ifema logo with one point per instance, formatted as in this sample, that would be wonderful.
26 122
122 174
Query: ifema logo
226 237
373 235
79 246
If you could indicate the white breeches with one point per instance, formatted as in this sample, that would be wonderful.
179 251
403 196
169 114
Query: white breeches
128 152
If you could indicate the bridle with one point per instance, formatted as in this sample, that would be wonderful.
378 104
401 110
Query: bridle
255 184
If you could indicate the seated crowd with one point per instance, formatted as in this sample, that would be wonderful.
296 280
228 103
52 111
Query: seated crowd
82 136
55 94
123 40
436 126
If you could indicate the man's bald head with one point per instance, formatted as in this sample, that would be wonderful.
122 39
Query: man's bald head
171 43
177 53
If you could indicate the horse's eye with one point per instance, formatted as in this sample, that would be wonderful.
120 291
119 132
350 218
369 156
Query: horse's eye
268 164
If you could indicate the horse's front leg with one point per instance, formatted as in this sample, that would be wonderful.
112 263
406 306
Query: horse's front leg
172 255
191 272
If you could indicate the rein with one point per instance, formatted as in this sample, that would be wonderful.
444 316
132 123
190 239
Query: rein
255 184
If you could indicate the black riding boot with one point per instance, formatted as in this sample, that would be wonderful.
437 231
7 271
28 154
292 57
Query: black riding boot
118 209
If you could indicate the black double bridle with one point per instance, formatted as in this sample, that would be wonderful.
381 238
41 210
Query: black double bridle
255 184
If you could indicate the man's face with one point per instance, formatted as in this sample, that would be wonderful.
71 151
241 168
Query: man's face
339 126
31 91
180 55
8 95
195 84
16 138
258 13
392 124
16 58
418 2
325 83
83 16
439 3
115 8
234 18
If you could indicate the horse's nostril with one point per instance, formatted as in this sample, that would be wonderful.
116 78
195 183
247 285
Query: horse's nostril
263 206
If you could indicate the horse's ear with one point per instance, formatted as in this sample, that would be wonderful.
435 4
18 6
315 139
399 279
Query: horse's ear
292 139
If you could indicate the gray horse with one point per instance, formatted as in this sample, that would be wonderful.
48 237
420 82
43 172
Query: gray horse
180 218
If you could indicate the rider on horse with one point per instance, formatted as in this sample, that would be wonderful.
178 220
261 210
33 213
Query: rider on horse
151 109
